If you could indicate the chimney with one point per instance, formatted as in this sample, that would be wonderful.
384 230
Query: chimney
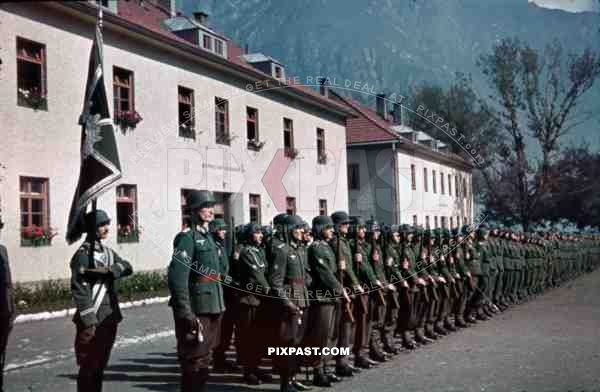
170 6
397 113
201 17
381 106
323 89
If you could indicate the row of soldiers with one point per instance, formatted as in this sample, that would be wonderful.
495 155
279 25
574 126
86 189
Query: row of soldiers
341 282
347 283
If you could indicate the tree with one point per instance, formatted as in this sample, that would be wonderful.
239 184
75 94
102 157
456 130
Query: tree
535 96
462 109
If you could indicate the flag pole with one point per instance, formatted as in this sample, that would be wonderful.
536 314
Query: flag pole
94 200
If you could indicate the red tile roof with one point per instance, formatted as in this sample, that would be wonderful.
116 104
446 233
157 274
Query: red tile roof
150 15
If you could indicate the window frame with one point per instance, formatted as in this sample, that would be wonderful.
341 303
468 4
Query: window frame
222 137
413 177
425 180
290 201
133 201
254 203
321 155
442 184
41 61
322 206
449 184
353 176
434 177
191 128
117 86
44 196
288 150
255 121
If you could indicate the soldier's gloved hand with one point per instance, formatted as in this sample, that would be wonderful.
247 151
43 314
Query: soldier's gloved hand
86 336
292 308
391 287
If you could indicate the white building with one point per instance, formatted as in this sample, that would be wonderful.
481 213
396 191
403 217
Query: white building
246 127
399 175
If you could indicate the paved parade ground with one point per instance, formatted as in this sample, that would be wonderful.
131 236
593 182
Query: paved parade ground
549 344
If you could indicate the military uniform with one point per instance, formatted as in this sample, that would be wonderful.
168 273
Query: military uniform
97 304
194 279
7 306
326 289
288 278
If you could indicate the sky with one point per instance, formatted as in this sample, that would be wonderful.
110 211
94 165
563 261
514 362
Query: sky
569 5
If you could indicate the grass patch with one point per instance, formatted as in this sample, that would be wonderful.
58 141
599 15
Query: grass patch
52 295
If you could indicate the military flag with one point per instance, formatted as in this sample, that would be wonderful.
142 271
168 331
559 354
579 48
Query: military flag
100 166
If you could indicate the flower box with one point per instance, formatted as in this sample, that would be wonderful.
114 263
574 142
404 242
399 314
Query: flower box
32 99
187 131
127 120
255 145
127 234
37 236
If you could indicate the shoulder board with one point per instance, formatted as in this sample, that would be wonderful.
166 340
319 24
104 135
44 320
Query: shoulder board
280 245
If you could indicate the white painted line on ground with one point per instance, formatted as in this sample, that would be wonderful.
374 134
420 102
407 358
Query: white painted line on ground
121 342
27 318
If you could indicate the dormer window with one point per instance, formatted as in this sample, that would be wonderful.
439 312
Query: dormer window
219 47
278 72
207 42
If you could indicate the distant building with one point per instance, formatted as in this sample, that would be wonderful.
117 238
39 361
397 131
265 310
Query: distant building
400 175
186 119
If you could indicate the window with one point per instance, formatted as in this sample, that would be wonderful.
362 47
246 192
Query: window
427 223
451 222
252 128
425 180
457 186
433 175
458 221
186 220
219 47
222 121
353 176
255 209
290 203
413 177
444 222
35 223
449 184
435 220
465 221
415 220
127 228
464 188
442 185
207 42
278 72
288 137
321 156
31 74
187 120
122 91
322 207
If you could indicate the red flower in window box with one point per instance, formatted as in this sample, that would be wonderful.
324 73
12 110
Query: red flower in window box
33 98
127 119
36 236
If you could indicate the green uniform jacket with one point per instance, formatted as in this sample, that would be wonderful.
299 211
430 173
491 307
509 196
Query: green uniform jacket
325 286
350 279
366 275
253 275
194 275
378 266
287 274
84 287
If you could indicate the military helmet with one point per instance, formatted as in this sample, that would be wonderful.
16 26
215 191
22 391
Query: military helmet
252 228
320 223
340 217
466 230
267 230
200 199
372 226
96 219
482 231
356 222
217 224
456 232
293 222
280 219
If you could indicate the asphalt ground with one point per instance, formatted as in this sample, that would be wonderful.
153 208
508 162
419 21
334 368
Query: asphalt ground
551 343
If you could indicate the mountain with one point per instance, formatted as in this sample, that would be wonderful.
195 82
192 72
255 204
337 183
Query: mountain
394 45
